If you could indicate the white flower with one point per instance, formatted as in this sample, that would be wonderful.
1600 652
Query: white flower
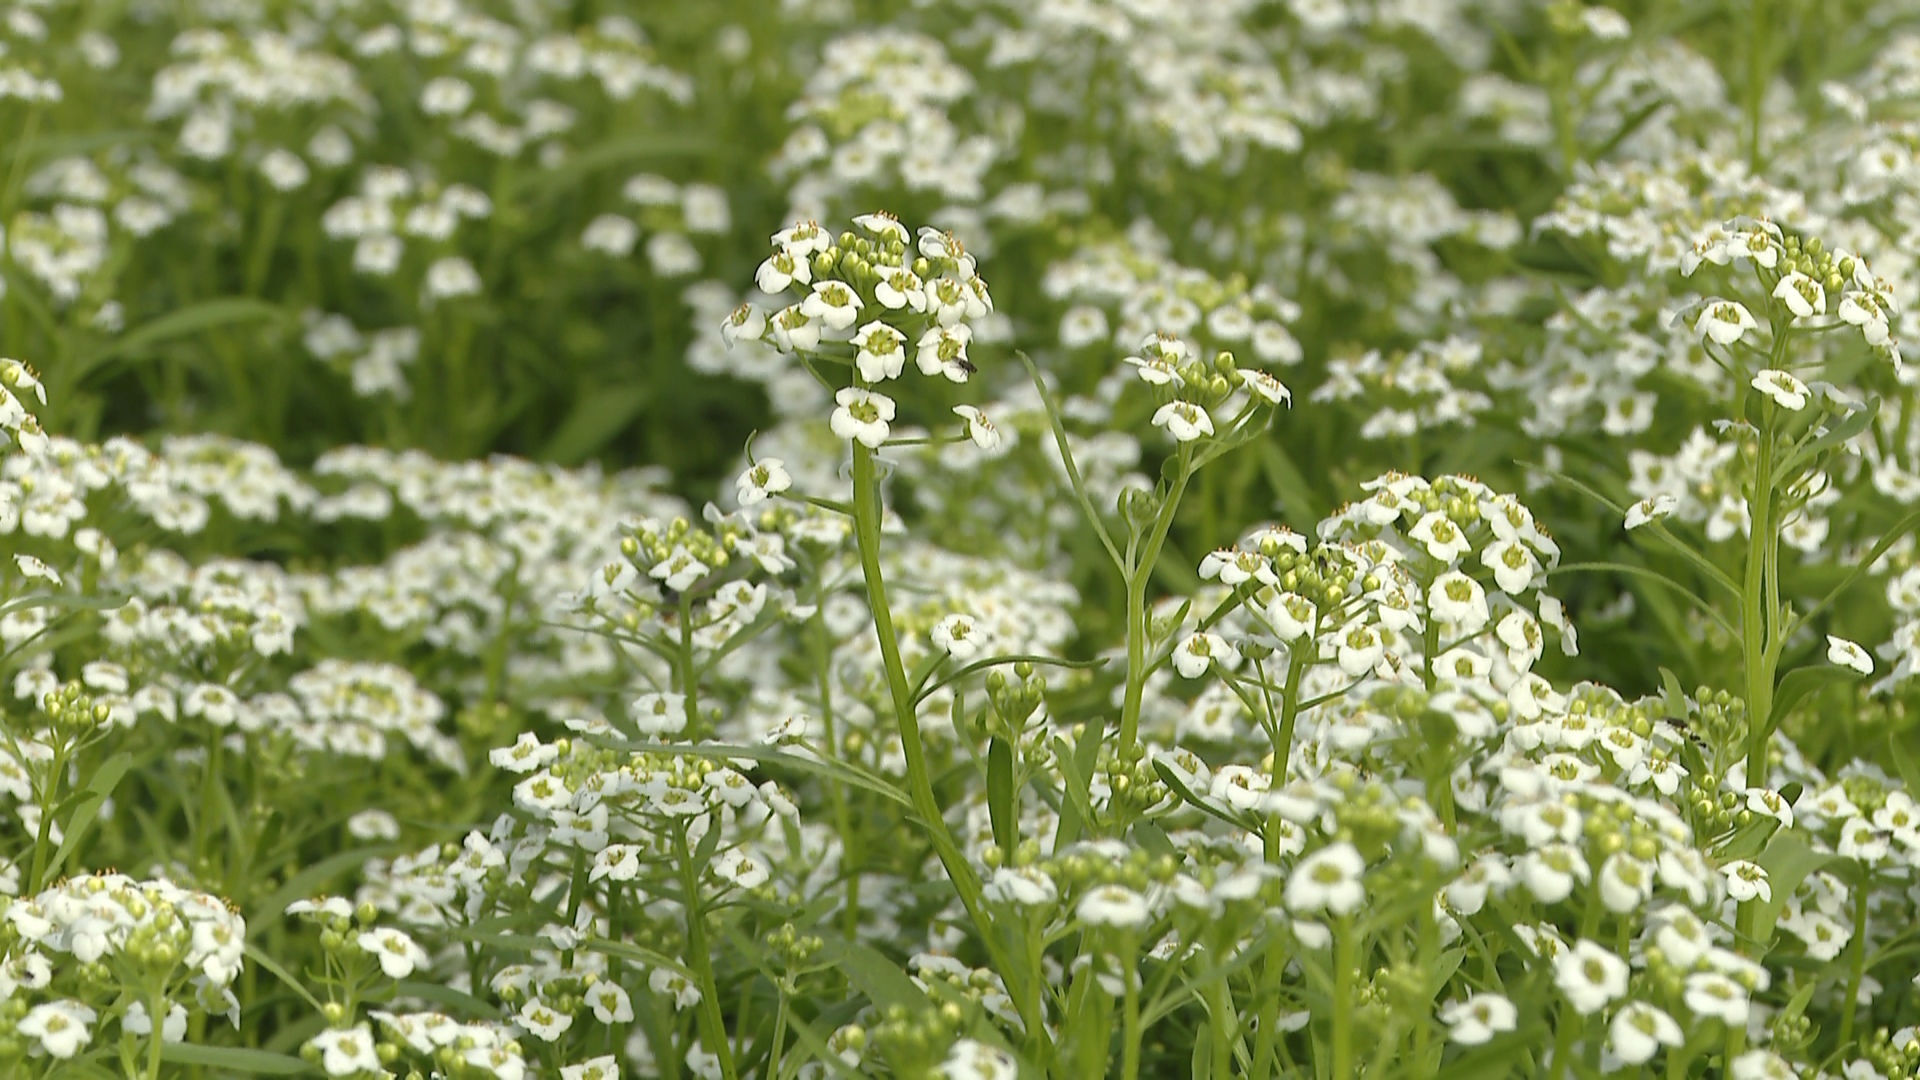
980 429
781 270
606 1066
679 570
1866 311
1711 994
746 323
1184 420
862 416
1725 321
1590 976
1291 615
346 1051
1458 601
1359 650
1328 880
615 862
34 568
768 477
1783 388
1268 388
60 1027
1638 1032
741 869
1192 657
1762 1064
1443 540
883 226
1803 296
881 354
1746 880
1652 508
1479 1018
971 1059
1114 905
833 303
1513 563
1847 654
942 350
658 714
397 953
452 277
900 289
957 636
543 1021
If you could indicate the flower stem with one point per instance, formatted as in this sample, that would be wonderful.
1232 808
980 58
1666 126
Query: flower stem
1139 572
1754 616
1857 969
1343 973
866 531
713 1026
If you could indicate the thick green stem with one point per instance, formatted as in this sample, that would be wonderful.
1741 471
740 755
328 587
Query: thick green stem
713 1026
1344 961
687 673
1857 967
866 530
1130 1033
1138 574
1755 619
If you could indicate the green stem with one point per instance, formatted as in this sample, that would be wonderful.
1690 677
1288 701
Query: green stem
1130 1033
1138 574
1858 968
688 692
713 1026
866 530
1754 616
43 844
1344 960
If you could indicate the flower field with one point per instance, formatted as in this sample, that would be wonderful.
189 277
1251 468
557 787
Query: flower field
975 539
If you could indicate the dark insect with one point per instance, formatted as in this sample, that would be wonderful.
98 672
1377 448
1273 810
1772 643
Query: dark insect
967 366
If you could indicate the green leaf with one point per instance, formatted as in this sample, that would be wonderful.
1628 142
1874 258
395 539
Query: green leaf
305 884
824 767
1803 681
597 417
1073 471
1904 763
639 954
1852 424
1000 794
873 974
87 807
63 602
206 315
239 1059
1788 859
552 183
1674 698
459 1003
272 967
1886 542
1180 788
1655 575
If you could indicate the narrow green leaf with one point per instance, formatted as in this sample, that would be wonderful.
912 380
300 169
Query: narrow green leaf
1674 698
825 767
240 1059
1900 529
1904 763
206 315
1655 575
873 974
272 967
639 954
1073 471
63 602
1802 681
305 884
1849 426
92 798
597 417
461 1003
1000 794
1788 859
1180 788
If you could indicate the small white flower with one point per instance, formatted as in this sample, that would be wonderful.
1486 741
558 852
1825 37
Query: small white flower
958 636
980 429
1803 296
679 570
543 1021
1725 321
1328 880
1479 1018
1116 906
397 953
344 1052
1184 420
862 416
1652 508
942 350
782 270
1360 650
1711 994
1790 393
881 351
615 862
606 1066
1269 389
767 478
883 226
1192 657
452 277
34 568
60 1027
658 714
1746 880
1443 540
1639 1030
971 1059
1849 655
1458 601
1590 976
1291 615
833 303
899 289
746 323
